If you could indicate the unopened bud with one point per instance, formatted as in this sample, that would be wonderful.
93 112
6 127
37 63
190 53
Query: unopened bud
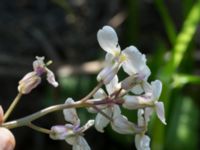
136 102
28 83
1 115
107 74
131 81
7 140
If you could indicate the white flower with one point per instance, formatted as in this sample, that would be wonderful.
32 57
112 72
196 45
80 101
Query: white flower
149 100
142 141
131 59
118 122
135 62
101 121
40 68
155 88
32 79
72 133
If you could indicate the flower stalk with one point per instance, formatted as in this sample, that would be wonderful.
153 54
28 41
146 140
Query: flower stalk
12 106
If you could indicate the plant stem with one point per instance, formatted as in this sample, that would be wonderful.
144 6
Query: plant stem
26 120
39 129
99 85
12 106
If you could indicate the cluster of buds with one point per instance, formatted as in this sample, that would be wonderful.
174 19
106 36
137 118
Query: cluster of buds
133 93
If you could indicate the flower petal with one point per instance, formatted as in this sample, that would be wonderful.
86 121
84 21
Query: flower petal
60 132
142 142
135 62
113 85
101 122
100 94
121 125
71 140
108 73
160 111
137 89
38 63
108 40
109 59
89 124
81 144
147 114
157 89
70 113
51 78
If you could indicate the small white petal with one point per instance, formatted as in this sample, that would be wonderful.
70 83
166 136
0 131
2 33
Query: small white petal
160 111
142 142
147 87
89 124
137 89
121 125
145 72
116 110
108 73
113 85
135 62
100 94
71 140
81 144
109 59
51 78
101 122
108 40
147 114
70 114
157 89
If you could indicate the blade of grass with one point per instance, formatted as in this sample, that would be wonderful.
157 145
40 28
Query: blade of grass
167 21
183 39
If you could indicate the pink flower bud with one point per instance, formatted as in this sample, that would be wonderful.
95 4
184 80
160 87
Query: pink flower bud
29 82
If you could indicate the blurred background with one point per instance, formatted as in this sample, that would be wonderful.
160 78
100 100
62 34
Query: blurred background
65 31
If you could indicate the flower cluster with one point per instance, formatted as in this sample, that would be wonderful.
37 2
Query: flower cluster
72 132
32 79
133 93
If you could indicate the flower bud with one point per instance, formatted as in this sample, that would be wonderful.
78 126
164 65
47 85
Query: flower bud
28 83
131 81
60 132
108 73
135 102
1 115
7 140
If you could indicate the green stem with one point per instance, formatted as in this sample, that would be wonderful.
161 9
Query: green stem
39 129
12 106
